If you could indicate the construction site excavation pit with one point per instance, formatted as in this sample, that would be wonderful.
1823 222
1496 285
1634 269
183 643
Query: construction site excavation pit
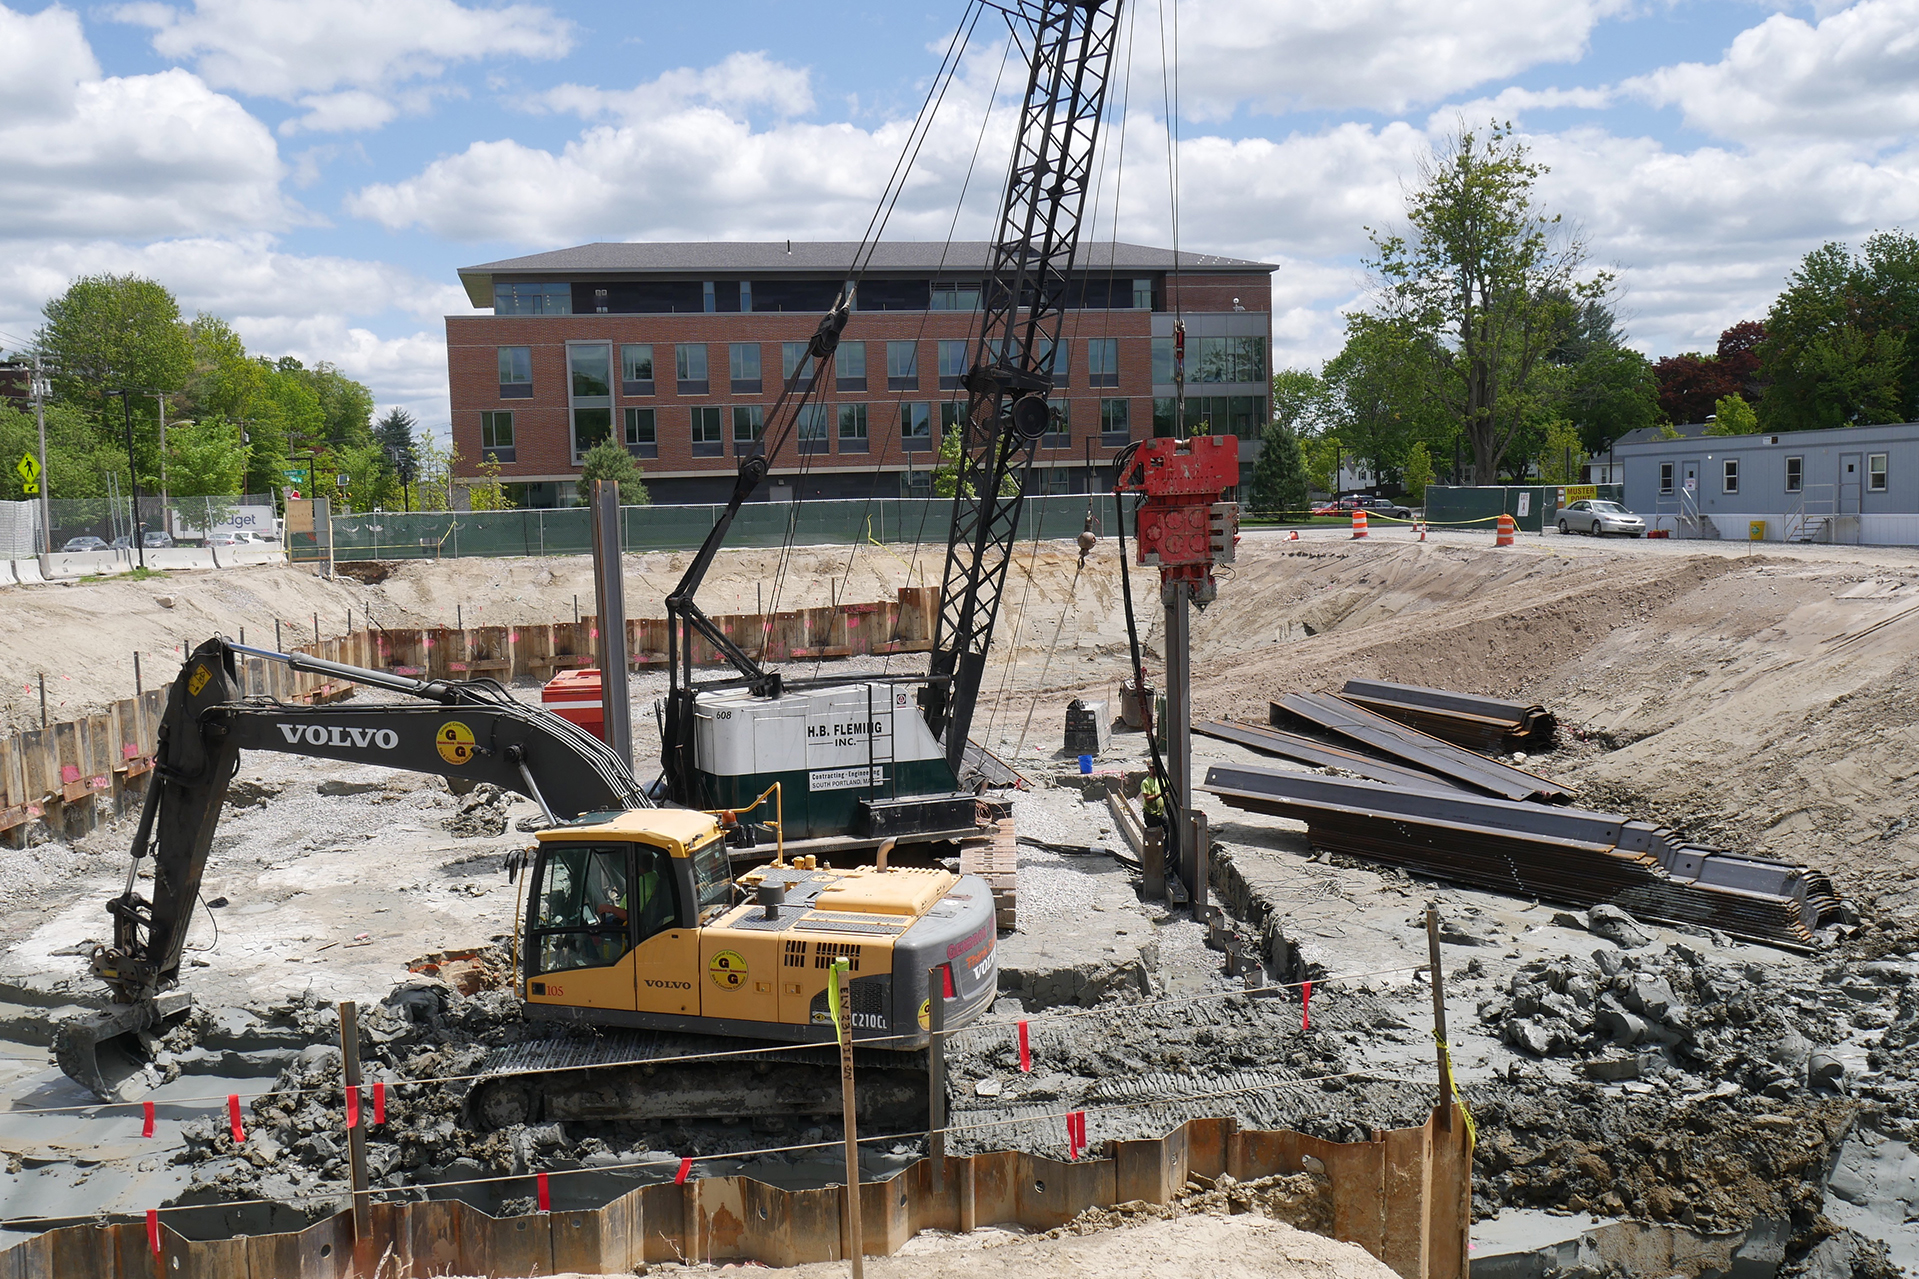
1762 703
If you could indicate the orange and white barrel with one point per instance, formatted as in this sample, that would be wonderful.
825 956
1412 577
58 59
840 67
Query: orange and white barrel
1359 524
1506 527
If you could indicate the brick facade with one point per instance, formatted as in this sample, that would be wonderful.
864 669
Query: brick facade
542 436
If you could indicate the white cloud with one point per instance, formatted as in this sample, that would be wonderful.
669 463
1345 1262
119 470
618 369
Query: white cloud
738 81
147 155
345 60
1852 76
1384 55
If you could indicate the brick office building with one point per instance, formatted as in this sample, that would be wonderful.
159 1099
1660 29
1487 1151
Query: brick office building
678 350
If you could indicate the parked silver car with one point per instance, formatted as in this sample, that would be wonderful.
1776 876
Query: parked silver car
1599 518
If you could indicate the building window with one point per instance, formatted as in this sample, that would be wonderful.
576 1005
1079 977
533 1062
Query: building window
1055 360
708 302
792 357
746 295
1059 433
953 295
1731 481
749 430
916 427
852 428
1795 475
952 417
1876 473
743 362
523 297
590 393
636 369
1241 415
516 372
850 363
706 430
1163 362
1115 422
689 367
1142 295
902 366
919 484
952 365
496 437
1228 359
812 429
642 433
1102 362
599 301
1665 477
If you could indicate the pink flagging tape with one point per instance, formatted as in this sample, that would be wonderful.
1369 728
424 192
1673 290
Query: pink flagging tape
686 1166
233 1118
153 1230
1306 1005
1025 1049
146 1119
546 1200
353 1107
379 1103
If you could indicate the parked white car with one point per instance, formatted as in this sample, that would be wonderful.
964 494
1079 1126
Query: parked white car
1599 518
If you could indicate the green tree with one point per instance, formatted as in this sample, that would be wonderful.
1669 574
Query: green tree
1300 399
488 493
1375 402
609 460
394 431
206 458
1418 471
1839 345
1487 283
1279 476
1562 454
1733 416
947 472
109 331
78 462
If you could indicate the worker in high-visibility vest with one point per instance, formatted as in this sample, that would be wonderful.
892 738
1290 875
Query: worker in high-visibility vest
1152 800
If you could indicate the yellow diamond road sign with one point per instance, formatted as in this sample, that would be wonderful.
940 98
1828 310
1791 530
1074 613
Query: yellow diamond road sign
29 471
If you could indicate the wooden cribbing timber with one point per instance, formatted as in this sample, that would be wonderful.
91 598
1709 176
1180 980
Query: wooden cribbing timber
74 775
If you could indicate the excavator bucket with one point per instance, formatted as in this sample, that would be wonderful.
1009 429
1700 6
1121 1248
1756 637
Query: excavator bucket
111 1053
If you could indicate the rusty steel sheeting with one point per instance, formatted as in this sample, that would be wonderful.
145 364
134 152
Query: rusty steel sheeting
1311 750
1334 714
1560 854
1405 1197
1483 724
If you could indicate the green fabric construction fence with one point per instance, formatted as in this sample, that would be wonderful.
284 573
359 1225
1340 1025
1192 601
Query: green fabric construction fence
392 535
1530 505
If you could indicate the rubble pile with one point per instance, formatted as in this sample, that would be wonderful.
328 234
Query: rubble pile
481 814
1303 1200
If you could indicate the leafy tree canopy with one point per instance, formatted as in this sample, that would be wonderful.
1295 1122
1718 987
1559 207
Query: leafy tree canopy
1840 345
609 460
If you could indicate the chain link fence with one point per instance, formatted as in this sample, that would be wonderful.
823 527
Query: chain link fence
392 535
184 519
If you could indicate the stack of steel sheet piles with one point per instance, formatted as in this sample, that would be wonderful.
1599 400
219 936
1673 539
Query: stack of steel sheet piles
1559 854
1477 723
1311 750
1331 714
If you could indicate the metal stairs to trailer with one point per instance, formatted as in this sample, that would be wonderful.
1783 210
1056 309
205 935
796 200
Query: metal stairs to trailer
1811 528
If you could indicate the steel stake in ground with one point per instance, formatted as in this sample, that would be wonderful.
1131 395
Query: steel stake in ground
1439 1019
356 1135
842 989
936 1074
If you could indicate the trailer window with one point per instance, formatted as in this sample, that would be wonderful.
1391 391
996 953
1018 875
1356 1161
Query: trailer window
1665 477
1795 474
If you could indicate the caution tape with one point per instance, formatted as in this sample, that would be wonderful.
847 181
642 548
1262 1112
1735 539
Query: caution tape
1452 1082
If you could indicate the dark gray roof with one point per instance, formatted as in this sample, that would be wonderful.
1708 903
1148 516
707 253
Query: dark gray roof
1687 431
774 257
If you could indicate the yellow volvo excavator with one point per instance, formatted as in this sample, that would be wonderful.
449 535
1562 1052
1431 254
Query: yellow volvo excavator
634 924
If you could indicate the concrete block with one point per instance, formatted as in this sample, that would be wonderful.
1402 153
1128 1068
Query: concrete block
180 557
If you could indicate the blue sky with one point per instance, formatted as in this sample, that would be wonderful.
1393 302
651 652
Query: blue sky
317 172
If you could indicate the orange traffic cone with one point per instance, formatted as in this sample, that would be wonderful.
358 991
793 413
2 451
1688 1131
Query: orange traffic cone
1422 530
1506 526
1359 524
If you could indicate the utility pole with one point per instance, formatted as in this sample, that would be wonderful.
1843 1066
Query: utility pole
40 420
133 474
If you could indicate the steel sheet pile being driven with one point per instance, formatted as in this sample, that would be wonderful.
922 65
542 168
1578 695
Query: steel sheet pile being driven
1555 853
